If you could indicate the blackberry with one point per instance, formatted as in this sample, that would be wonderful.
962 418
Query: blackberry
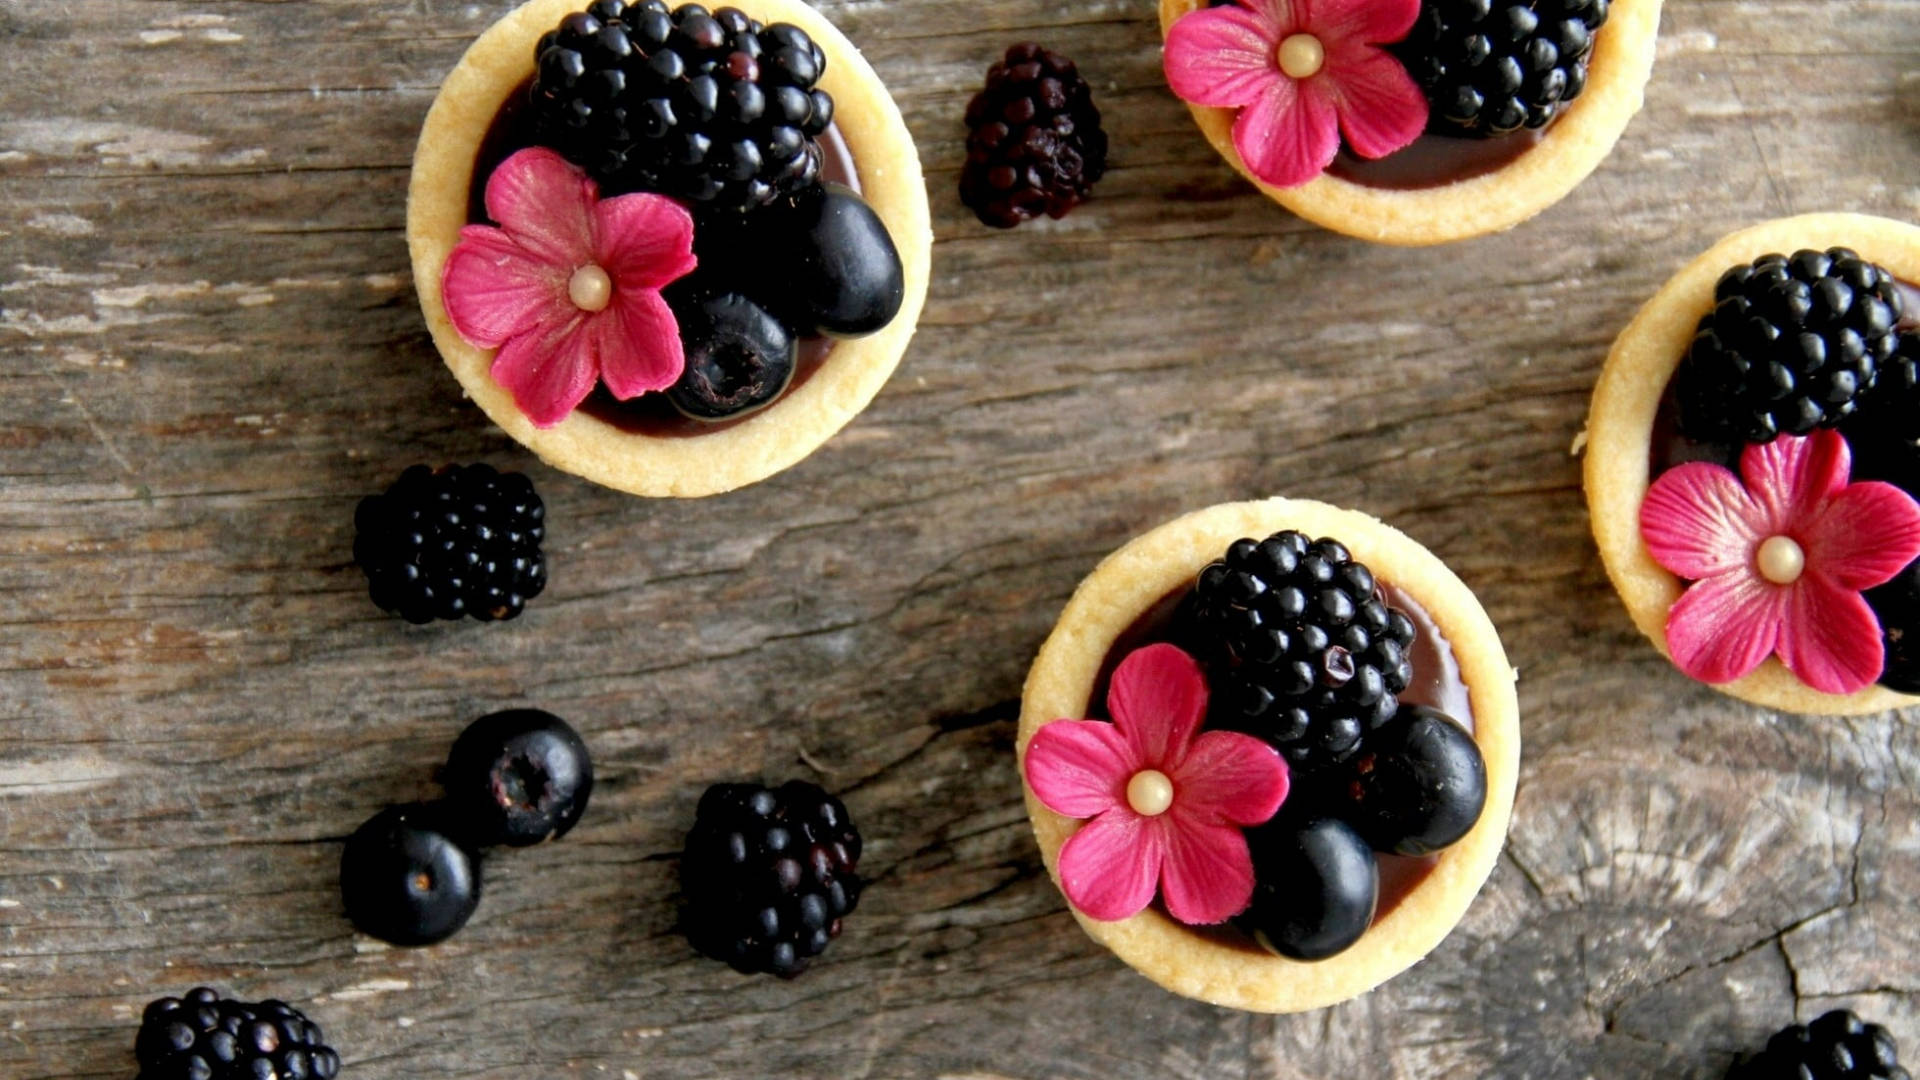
1493 67
1837 1046
711 107
1791 344
204 1036
768 874
1302 647
1884 432
464 540
1034 141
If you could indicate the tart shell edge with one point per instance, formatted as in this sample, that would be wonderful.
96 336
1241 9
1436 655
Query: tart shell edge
1569 152
1136 577
779 436
1620 429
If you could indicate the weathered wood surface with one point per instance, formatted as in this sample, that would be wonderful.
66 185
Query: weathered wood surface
211 350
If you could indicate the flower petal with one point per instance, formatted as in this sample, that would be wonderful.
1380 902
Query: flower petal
637 340
643 240
493 288
1792 476
1830 638
1109 868
1157 698
1863 537
1080 768
1381 108
1207 876
1230 777
1366 22
1724 626
1278 18
550 370
1289 134
1220 56
1698 521
545 203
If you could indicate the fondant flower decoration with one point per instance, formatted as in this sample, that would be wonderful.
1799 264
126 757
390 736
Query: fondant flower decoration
567 287
1166 802
1302 73
1778 557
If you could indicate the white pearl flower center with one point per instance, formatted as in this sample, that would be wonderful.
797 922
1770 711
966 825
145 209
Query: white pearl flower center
590 288
1149 793
1780 560
1302 56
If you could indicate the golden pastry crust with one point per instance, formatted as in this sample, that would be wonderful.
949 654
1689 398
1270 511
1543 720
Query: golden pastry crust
733 456
1130 582
1619 436
1572 147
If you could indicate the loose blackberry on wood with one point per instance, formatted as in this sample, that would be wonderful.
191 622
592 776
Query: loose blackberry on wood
768 874
1302 648
1837 1046
464 540
1493 67
711 107
1791 344
1034 142
204 1036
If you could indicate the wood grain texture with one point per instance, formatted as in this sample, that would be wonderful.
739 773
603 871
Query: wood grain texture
209 350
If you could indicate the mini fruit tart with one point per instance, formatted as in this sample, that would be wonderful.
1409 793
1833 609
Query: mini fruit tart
1753 460
1297 758
1412 122
671 249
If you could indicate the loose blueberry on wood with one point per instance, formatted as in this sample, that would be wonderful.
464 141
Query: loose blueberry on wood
517 778
1316 885
1419 784
405 880
739 357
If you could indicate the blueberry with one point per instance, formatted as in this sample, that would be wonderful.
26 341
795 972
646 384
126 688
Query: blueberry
1418 785
1315 886
405 881
517 778
838 263
739 357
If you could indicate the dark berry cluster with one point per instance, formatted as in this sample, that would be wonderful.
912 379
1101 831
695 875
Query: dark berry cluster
1304 650
1034 143
411 874
1493 67
1792 343
204 1036
768 874
463 540
1836 1046
711 107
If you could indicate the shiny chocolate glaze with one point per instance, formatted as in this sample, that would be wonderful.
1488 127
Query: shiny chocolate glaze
1436 683
1434 160
649 414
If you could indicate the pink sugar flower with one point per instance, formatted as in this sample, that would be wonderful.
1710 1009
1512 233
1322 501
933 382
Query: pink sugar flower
1301 72
1166 801
568 286
1778 564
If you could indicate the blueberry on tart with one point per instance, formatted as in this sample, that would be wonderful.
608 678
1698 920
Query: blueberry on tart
1411 121
1270 752
670 248
1750 457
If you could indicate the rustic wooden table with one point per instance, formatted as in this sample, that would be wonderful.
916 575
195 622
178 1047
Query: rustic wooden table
211 350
